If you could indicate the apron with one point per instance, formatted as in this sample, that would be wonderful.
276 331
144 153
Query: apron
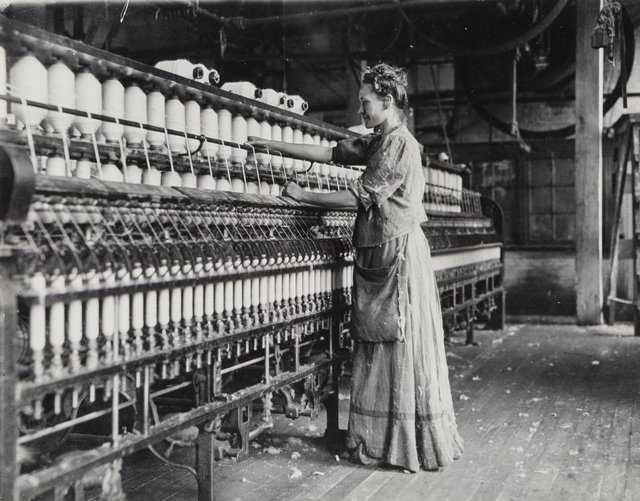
380 293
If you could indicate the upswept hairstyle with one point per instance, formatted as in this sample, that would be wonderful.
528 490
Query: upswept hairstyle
387 79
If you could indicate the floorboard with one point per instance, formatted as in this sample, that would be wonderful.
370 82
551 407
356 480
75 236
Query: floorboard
546 412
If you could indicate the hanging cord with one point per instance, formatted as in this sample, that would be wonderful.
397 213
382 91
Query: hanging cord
436 86
515 130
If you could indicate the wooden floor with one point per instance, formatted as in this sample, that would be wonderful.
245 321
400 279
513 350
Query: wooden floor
547 413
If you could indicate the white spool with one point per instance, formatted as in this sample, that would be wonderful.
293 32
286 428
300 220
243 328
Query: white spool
176 303
198 302
108 308
164 307
300 285
83 168
134 174
305 283
287 137
110 172
206 182
253 129
286 291
246 293
293 282
155 116
189 180
74 314
264 292
265 188
187 304
61 84
124 310
275 190
37 314
219 298
209 299
271 290
151 177
56 166
307 139
135 109
245 89
209 127
276 135
255 292
28 79
270 97
222 184
57 315
151 309
112 106
228 297
239 135
278 288
225 130
183 68
265 133
3 83
237 185
192 123
92 310
298 138
171 178
300 106
137 310
176 119
88 99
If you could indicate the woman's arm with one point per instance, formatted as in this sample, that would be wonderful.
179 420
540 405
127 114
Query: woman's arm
311 152
338 199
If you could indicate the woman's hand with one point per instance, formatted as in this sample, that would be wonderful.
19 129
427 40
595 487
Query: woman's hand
258 142
292 190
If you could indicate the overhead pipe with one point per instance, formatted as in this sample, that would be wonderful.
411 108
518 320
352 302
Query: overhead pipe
246 22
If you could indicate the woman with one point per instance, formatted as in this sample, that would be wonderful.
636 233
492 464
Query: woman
401 411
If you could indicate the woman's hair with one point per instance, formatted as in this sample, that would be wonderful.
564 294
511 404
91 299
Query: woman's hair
387 79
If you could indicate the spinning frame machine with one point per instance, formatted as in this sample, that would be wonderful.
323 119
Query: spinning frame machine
152 284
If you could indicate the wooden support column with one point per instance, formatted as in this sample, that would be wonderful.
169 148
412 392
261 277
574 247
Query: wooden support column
588 158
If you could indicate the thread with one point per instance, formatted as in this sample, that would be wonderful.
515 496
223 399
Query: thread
28 80
209 127
112 106
135 109
239 135
88 98
287 137
225 130
156 116
192 123
175 119
56 166
61 84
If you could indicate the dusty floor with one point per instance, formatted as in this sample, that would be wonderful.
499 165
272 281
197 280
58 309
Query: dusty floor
547 413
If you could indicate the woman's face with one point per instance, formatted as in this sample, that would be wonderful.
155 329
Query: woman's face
372 107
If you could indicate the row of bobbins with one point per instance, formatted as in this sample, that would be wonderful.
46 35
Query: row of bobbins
443 190
59 86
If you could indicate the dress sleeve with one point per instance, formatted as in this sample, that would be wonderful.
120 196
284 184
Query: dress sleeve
352 151
384 174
